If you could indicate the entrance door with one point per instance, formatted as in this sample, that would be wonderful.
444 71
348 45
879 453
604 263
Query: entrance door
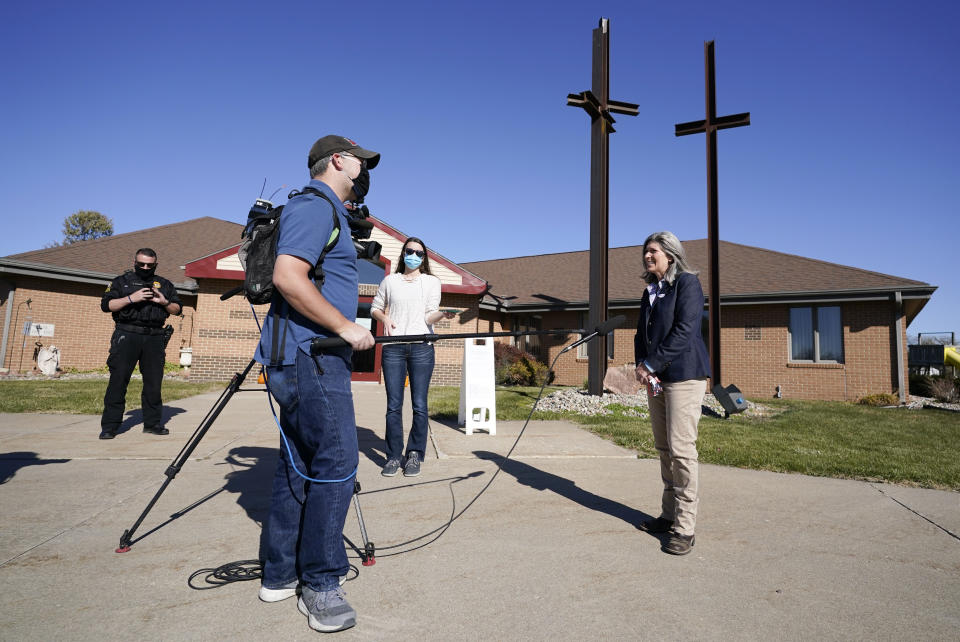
366 364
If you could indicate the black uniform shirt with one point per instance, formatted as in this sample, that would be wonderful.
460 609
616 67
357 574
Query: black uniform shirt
143 313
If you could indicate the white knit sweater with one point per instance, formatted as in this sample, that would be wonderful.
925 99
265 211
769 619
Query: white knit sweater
408 302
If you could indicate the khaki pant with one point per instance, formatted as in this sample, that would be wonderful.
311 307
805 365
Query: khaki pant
674 414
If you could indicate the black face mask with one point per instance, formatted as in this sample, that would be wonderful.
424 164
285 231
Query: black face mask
361 184
143 273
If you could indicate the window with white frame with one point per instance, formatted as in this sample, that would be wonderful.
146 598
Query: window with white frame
582 348
816 334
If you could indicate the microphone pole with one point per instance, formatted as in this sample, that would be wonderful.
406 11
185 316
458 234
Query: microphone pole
319 344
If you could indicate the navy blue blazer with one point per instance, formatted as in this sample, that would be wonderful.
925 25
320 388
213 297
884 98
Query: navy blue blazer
668 335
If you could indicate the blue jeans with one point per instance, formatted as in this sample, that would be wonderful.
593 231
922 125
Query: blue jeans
305 527
399 360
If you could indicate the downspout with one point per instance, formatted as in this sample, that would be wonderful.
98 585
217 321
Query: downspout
6 326
898 328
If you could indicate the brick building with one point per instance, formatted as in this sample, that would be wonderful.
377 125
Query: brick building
811 328
59 290
64 284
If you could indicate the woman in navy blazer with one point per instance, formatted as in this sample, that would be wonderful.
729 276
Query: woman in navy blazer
672 361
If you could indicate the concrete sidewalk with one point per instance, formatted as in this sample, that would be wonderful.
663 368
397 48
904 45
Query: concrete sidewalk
549 551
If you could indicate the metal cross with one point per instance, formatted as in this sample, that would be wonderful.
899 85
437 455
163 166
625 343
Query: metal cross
598 105
710 126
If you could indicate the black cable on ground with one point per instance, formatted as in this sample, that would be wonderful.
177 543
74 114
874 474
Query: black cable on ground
232 572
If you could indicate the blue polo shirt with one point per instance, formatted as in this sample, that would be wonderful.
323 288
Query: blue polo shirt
305 227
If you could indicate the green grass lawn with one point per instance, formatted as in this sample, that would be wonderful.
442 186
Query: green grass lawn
84 396
831 439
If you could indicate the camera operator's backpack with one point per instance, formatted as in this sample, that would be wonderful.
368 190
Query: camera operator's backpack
258 252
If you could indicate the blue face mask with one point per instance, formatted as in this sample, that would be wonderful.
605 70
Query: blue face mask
412 261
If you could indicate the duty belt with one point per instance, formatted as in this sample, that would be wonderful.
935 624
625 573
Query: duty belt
139 329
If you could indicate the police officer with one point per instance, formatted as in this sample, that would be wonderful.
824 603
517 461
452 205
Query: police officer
140 302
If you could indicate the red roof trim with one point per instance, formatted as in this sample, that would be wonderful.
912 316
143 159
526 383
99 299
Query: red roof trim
471 283
206 268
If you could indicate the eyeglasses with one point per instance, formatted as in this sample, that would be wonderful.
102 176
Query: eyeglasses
144 264
362 162
410 252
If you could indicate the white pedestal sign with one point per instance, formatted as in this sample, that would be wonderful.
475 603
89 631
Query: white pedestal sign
478 399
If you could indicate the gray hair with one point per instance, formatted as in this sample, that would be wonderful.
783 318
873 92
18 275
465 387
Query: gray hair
671 246
320 166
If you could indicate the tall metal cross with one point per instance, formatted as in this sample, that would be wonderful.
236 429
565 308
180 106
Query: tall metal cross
711 125
598 105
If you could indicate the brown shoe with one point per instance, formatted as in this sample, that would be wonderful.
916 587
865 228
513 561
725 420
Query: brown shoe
678 544
658 525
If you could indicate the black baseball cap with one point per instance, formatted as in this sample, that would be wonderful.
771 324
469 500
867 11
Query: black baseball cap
333 144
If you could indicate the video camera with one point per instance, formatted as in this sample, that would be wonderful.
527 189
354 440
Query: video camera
360 229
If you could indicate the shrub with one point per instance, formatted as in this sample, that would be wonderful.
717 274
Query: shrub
504 354
514 367
525 372
944 390
879 399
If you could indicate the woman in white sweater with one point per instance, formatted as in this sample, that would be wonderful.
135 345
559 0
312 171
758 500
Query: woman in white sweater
408 302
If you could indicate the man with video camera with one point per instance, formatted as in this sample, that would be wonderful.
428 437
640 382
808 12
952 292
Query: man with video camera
304 551
140 302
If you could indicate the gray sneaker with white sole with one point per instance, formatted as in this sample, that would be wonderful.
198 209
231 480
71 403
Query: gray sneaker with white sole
326 611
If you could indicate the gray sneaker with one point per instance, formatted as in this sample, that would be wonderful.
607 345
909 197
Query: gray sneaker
390 468
326 611
412 467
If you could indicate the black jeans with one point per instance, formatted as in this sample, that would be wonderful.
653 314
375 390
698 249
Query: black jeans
126 349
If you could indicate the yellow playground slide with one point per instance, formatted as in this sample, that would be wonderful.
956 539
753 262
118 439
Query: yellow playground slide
951 356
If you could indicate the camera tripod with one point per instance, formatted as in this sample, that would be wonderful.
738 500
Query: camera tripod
367 553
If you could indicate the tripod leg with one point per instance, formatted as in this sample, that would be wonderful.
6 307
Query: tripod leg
368 557
185 452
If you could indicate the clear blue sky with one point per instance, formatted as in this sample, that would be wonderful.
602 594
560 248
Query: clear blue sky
154 113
